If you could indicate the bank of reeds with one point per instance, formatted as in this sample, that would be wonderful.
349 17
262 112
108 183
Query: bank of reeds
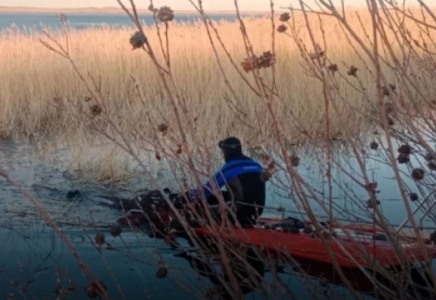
37 82
272 84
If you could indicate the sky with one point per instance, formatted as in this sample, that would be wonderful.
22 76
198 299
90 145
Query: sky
174 4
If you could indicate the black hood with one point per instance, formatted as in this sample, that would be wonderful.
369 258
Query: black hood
232 149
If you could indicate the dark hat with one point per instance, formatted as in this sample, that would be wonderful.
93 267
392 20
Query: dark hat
230 143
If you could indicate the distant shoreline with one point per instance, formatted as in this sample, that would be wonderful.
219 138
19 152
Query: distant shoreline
103 10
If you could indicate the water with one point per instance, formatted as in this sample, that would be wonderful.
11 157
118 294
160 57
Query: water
32 254
38 21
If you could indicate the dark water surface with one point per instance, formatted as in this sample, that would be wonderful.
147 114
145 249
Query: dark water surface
31 255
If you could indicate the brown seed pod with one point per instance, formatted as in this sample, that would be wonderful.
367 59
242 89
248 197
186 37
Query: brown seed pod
352 71
372 204
116 230
158 156
250 64
373 145
282 28
96 110
418 174
99 239
333 68
405 149
390 121
137 40
284 17
162 128
413 196
165 14
432 165
266 60
403 158
295 160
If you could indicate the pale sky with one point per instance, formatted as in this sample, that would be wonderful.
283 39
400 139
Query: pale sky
174 4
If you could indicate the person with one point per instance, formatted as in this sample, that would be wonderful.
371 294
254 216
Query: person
245 189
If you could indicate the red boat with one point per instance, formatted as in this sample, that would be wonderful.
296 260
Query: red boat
357 248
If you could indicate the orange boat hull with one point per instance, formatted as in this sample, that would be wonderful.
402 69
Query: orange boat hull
347 253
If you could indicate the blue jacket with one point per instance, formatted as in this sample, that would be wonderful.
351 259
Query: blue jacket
228 173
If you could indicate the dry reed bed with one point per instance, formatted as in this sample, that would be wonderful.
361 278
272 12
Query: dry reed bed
32 77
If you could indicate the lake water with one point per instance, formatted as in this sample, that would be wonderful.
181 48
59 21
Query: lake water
81 21
31 254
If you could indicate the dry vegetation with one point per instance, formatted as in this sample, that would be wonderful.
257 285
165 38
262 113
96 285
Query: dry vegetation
36 82
318 79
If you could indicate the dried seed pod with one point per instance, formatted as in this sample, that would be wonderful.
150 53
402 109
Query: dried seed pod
418 174
162 272
352 71
284 17
390 121
165 14
99 239
371 187
250 64
405 149
116 230
333 68
413 196
295 160
282 28
403 158
162 128
372 204
158 156
373 145
266 60
137 40
432 165
96 110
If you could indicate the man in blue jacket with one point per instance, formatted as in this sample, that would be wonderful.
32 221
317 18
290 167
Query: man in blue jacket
241 176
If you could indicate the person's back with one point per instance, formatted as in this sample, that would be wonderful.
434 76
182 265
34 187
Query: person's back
241 176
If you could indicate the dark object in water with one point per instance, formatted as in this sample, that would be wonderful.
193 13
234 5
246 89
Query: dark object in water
73 194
